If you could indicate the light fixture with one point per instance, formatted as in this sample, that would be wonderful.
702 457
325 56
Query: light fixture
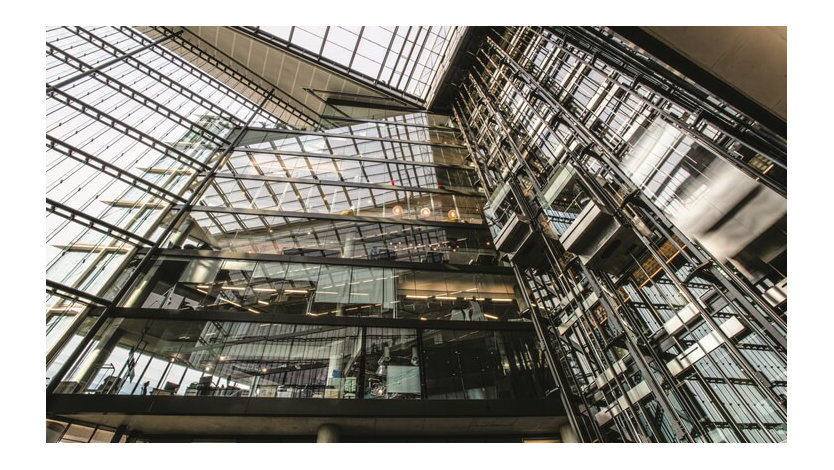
416 296
295 291
491 316
233 288
397 211
425 213
453 214
502 300
445 298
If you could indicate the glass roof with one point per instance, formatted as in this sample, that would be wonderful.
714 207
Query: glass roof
407 59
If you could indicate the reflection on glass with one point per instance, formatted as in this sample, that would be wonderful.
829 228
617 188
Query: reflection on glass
477 365
231 359
273 360
313 289
392 364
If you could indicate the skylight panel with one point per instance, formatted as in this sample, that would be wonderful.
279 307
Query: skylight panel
406 59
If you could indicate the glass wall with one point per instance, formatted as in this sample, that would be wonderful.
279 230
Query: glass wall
476 365
324 289
273 360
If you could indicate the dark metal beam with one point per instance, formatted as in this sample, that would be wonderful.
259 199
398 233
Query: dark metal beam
356 262
95 223
110 169
349 136
354 158
138 96
61 84
349 184
322 216
322 320
126 129
73 292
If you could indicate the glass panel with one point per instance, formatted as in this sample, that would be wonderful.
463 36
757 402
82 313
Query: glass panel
392 364
313 289
475 365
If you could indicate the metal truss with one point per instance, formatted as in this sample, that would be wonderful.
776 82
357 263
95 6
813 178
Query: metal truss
324 216
354 158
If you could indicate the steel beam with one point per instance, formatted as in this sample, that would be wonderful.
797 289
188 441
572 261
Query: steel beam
95 223
124 128
63 83
349 184
331 156
348 136
110 169
53 286
324 216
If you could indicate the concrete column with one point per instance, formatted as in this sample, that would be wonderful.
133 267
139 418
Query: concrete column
568 434
328 433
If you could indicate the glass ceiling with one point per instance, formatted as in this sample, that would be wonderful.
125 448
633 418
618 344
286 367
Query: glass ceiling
407 59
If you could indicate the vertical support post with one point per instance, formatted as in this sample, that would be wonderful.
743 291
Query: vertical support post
328 433
568 435
421 364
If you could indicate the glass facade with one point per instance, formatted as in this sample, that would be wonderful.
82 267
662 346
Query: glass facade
162 357
568 231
